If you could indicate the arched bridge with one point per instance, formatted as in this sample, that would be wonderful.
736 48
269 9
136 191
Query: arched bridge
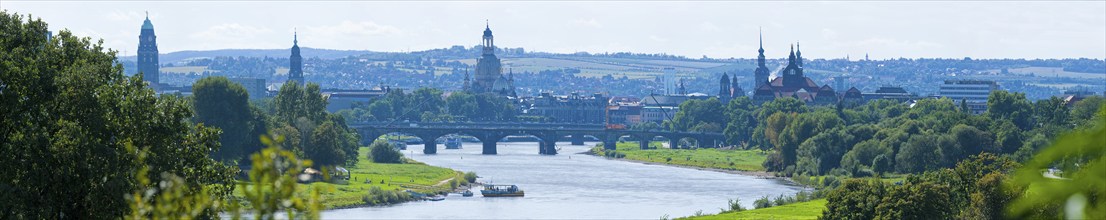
548 133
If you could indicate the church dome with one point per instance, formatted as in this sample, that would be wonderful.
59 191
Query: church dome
500 84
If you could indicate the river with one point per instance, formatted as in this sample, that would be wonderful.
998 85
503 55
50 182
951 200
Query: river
573 186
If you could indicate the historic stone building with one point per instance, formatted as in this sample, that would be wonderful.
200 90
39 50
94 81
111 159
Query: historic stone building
574 108
790 83
295 62
729 89
489 71
147 54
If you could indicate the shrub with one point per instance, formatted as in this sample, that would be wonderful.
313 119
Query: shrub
830 182
762 202
384 152
802 196
379 196
470 177
735 205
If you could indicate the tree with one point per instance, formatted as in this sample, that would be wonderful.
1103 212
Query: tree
802 128
289 102
971 140
223 104
426 100
67 119
823 152
326 148
462 104
695 112
1008 137
854 199
1052 111
381 110
924 200
919 153
786 106
741 121
1010 106
1083 113
863 155
384 152
314 105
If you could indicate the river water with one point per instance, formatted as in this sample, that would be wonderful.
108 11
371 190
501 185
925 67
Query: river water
573 186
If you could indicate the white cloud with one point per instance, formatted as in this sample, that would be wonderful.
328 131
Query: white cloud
588 23
658 38
355 29
708 26
231 31
125 16
829 33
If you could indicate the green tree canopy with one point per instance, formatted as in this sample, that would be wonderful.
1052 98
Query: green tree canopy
68 116
223 104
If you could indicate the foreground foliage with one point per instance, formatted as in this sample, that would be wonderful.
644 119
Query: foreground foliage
1081 156
67 119
272 192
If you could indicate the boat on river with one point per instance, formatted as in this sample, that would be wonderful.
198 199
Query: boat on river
453 142
466 193
502 191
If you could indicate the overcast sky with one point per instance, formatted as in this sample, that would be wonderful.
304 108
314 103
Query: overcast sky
984 29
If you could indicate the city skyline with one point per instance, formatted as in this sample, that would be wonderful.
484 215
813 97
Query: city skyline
830 29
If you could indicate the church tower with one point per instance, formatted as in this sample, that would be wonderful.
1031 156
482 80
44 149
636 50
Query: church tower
737 91
147 53
295 62
466 85
724 91
760 76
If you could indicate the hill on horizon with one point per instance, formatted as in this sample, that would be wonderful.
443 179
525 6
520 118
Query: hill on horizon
306 52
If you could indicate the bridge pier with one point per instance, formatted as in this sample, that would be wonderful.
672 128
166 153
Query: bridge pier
610 142
429 143
548 144
547 147
674 143
643 143
489 147
577 139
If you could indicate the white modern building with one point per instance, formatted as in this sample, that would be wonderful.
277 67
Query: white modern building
974 92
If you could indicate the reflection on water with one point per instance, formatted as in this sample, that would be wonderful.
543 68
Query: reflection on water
573 186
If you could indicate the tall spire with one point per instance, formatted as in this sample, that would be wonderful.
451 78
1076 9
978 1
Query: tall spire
295 37
792 56
761 33
798 54
147 15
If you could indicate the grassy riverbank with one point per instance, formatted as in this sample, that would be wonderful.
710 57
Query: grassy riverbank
737 160
800 210
411 175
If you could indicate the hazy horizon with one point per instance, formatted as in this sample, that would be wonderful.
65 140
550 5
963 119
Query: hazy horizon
693 29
